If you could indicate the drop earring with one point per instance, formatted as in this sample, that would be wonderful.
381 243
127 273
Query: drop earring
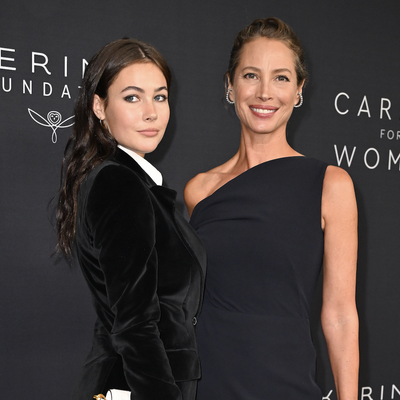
299 104
227 97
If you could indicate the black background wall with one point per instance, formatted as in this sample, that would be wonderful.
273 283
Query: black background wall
350 117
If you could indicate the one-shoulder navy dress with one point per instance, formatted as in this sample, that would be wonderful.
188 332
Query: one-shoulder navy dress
262 231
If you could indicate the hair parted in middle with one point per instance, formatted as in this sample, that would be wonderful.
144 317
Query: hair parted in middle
269 28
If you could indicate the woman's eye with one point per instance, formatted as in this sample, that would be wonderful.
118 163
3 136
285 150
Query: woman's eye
160 97
131 98
250 76
282 78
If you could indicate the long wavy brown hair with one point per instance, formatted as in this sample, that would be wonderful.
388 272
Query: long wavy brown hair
91 143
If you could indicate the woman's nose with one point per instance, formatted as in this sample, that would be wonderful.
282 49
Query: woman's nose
263 91
149 113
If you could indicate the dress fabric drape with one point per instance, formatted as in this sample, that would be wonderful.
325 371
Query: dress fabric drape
262 232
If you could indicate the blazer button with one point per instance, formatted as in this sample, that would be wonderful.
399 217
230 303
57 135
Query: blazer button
194 320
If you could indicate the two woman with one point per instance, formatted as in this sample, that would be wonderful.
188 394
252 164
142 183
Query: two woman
270 219
143 263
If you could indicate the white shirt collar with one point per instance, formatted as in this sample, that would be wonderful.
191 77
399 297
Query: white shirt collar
145 165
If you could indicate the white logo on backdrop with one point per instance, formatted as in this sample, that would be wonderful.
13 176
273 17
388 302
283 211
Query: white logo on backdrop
388 392
53 121
373 156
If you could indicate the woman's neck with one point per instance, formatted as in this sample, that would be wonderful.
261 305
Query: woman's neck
258 148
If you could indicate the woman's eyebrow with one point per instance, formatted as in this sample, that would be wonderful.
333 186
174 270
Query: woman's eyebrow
140 90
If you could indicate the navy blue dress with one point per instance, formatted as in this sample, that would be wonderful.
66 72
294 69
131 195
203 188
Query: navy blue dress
262 231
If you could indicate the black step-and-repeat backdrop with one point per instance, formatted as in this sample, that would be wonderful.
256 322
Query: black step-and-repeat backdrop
350 117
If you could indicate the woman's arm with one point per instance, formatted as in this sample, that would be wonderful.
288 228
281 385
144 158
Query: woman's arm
339 314
120 217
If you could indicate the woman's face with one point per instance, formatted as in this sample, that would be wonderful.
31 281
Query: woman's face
137 111
265 86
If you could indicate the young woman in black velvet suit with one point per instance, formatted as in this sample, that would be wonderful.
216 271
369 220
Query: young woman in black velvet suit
143 263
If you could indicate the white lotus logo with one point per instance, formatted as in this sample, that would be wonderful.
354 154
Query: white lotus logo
53 121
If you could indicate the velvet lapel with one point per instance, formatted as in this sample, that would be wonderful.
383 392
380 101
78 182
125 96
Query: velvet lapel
163 194
125 159
166 197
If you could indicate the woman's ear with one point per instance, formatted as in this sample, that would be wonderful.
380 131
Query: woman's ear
300 87
98 107
228 82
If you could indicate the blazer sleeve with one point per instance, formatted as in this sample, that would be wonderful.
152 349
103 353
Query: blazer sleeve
120 217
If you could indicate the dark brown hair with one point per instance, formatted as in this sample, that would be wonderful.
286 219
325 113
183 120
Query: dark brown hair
90 142
270 28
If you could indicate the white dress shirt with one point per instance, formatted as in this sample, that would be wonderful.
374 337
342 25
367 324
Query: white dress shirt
145 165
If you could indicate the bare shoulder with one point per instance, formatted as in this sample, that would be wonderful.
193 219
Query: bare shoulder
202 186
337 182
338 196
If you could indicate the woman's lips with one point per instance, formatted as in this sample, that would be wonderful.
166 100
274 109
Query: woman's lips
263 111
149 132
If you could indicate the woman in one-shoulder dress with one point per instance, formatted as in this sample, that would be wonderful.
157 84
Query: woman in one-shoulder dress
271 219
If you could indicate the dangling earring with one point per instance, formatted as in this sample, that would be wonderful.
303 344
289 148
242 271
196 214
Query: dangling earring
300 102
101 122
227 97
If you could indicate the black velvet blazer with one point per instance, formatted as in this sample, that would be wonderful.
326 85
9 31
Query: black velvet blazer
145 269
